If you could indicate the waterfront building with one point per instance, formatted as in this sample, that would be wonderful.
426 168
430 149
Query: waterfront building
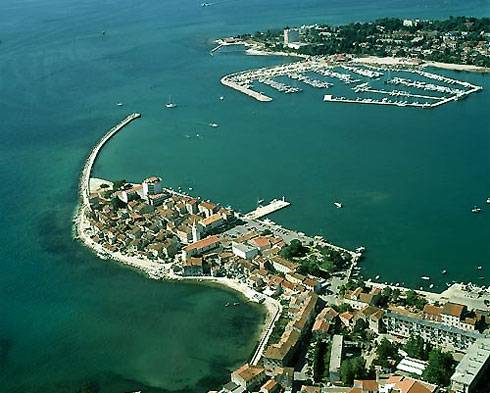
191 205
130 194
358 299
212 222
152 185
248 376
402 323
474 369
453 314
192 267
335 357
207 208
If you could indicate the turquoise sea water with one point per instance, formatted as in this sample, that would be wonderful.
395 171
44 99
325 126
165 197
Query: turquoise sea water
68 320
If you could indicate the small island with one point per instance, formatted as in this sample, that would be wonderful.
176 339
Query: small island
326 328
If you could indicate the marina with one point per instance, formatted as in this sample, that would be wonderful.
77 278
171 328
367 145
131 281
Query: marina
425 90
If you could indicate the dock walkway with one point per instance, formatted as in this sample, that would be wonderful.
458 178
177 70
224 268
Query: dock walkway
262 211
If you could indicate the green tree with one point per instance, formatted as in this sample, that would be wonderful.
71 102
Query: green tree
295 249
440 367
385 351
117 184
319 360
416 347
351 369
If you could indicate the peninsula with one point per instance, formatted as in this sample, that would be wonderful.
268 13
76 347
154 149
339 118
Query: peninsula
327 329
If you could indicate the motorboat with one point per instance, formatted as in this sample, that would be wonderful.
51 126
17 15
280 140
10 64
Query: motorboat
476 209
338 205
170 104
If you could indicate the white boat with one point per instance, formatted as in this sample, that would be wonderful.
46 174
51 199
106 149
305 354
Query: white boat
170 104
431 286
360 250
221 98
476 209
488 200
338 205
444 271
119 104
377 277
213 125
479 267
425 278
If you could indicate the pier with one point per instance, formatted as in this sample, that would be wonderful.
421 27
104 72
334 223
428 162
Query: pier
262 211
245 89
384 101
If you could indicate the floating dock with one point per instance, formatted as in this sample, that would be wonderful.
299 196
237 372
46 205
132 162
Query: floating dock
262 211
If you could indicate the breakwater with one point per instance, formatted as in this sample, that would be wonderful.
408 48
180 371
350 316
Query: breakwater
90 161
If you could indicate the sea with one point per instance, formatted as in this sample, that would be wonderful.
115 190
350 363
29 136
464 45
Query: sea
70 322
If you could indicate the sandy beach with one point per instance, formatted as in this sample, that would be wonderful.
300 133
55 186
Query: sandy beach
400 61
456 67
159 271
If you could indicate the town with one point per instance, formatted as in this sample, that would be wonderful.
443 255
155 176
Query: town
327 330
457 40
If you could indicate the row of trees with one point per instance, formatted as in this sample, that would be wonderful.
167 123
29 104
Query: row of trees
440 365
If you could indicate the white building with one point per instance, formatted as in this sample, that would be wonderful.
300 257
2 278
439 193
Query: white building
152 185
243 250
291 36
437 333
473 369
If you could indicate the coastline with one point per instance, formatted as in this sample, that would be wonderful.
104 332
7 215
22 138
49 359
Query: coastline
156 270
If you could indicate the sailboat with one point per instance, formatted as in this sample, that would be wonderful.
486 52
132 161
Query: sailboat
170 104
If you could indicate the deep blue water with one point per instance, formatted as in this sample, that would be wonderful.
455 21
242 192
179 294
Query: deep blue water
67 320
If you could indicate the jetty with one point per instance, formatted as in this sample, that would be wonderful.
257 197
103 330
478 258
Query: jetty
245 88
262 211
